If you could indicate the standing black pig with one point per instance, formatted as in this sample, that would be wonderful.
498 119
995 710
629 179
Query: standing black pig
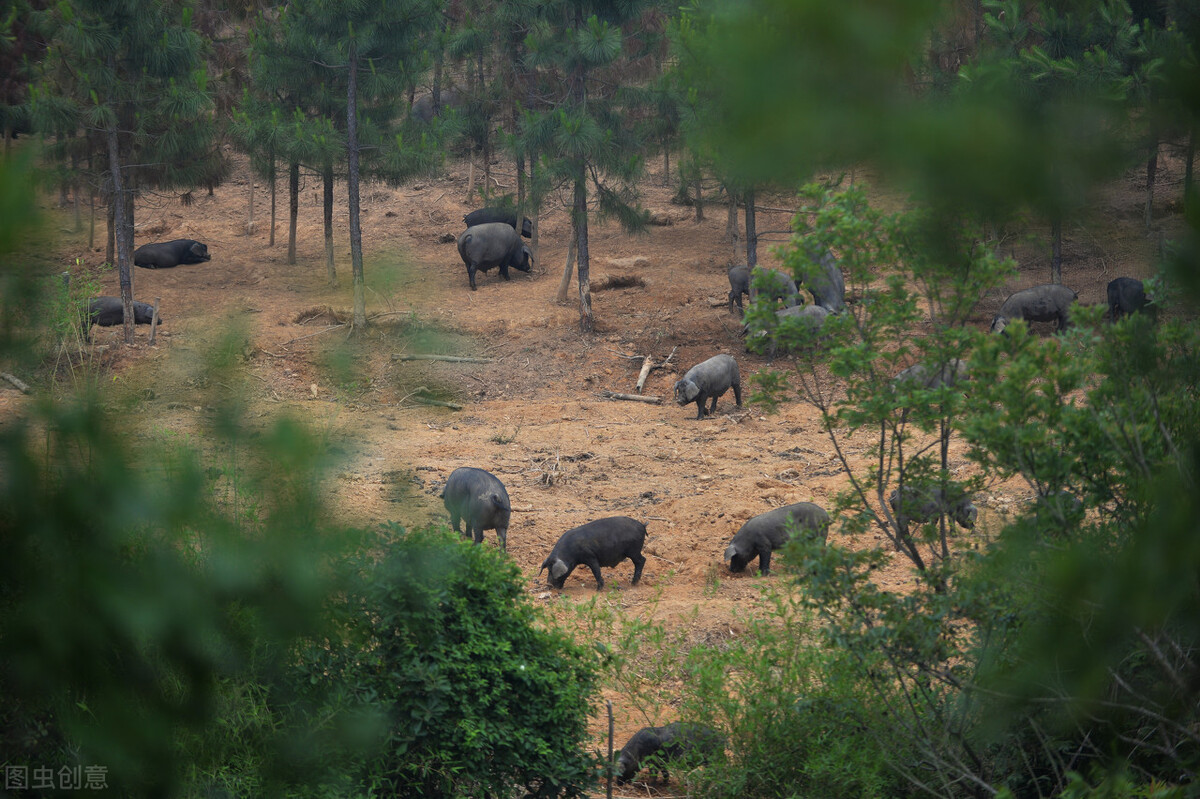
493 244
1049 302
165 254
766 532
739 284
824 281
923 505
810 320
1127 295
479 498
485 215
711 378
604 542
776 285
655 747
950 374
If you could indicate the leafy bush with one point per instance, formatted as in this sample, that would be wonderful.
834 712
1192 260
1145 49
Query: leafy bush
444 663
796 722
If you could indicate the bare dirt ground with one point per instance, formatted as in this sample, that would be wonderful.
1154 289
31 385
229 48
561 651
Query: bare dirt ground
533 416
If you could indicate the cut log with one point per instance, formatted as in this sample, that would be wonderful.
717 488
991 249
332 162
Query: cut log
418 395
454 406
154 320
631 397
21 385
647 365
448 358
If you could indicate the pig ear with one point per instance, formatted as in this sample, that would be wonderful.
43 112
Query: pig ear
730 552
558 569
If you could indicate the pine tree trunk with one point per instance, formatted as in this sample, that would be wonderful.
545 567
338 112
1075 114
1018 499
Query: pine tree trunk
293 208
1056 250
359 322
120 223
327 180
438 59
272 176
520 186
568 270
579 216
487 169
751 231
250 210
1189 159
731 222
91 204
577 98
110 247
535 238
75 191
1151 173
699 204
485 144
666 179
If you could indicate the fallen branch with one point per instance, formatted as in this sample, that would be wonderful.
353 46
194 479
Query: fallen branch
631 397
450 358
648 365
310 335
154 317
417 395
454 406
21 386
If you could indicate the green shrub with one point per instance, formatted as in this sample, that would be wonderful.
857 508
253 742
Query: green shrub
796 721
445 665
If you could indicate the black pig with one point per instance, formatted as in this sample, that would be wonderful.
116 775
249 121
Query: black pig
604 542
766 532
480 499
654 747
165 254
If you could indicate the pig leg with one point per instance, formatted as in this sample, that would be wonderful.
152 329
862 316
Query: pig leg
594 565
737 394
471 275
764 561
477 530
502 534
639 561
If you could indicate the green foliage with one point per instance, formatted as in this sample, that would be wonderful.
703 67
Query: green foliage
791 709
130 598
442 654
1109 637
916 289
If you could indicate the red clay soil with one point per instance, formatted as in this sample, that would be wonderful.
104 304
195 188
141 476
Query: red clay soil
534 416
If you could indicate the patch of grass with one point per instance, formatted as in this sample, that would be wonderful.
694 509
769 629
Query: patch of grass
502 438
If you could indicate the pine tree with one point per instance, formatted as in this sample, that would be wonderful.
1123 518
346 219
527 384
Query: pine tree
129 73
369 50
587 141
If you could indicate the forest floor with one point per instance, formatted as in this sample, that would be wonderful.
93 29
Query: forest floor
533 416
